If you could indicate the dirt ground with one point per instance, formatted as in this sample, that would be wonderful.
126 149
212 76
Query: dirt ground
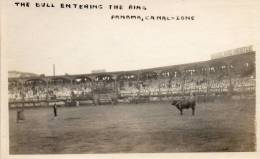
142 128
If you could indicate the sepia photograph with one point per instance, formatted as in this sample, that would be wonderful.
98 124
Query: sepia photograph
128 77
195 107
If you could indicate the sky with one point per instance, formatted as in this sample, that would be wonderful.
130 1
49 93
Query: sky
79 41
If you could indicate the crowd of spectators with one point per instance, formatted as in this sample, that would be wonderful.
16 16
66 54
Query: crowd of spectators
52 91
199 84
244 84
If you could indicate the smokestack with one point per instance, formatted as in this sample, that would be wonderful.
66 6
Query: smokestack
53 69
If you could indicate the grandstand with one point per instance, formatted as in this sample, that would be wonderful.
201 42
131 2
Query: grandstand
232 75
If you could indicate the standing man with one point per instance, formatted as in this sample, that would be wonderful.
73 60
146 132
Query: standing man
20 111
20 115
55 110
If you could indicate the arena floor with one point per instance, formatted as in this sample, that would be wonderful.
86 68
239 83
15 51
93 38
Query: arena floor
142 128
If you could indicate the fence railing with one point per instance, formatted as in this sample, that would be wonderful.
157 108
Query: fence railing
160 93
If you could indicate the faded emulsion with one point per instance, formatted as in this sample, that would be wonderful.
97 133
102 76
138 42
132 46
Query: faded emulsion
205 106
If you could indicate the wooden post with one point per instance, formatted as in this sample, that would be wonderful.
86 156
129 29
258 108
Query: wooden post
230 88
116 90
183 82
47 93
208 82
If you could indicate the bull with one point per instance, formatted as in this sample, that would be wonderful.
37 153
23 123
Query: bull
185 104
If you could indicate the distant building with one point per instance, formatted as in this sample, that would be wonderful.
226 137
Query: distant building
17 74
98 71
241 50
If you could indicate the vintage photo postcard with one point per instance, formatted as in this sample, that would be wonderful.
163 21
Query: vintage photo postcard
129 79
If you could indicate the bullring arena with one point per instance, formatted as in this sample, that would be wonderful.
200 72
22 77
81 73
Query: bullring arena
131 111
